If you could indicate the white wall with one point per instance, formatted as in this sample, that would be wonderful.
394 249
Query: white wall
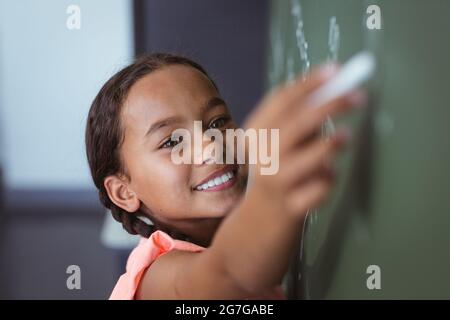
49 75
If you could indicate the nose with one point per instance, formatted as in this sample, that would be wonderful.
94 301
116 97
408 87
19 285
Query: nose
212 151
204 153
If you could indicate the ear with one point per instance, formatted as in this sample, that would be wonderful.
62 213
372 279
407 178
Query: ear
121 194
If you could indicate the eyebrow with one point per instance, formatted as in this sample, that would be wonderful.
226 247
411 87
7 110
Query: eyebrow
211 104
162 123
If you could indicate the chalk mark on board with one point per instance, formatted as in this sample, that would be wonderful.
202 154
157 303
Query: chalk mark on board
290 69
334 39
302 44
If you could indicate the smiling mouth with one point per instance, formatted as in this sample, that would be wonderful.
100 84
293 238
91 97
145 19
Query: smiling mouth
223 179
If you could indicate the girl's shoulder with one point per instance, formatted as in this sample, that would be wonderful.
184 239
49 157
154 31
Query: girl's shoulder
145 253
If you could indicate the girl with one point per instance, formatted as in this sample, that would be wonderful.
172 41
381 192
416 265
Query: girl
206 240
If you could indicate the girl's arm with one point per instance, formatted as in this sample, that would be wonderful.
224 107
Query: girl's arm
252 248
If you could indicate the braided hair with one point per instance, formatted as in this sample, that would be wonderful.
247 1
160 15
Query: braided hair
104 136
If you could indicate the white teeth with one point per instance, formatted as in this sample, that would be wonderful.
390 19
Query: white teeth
216 181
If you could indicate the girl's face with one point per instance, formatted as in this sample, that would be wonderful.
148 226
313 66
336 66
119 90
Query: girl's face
167 99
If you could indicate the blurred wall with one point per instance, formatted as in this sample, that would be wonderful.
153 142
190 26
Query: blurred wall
48 77
227 37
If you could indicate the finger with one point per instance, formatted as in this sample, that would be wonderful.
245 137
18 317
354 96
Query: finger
316 135
309 195
290 95
309 120
303 86
354 99
317 155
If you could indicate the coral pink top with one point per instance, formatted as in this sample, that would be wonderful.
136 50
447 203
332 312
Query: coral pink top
147 251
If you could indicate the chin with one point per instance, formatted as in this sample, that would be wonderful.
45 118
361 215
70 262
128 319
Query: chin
220 207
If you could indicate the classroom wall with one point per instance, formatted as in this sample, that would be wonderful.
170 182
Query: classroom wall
227 37
50 216
48 77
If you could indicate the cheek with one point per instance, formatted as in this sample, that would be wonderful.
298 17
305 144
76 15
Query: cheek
164 186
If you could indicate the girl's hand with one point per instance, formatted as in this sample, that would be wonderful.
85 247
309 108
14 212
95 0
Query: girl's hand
305 174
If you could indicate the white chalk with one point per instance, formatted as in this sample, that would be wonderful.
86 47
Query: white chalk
351 75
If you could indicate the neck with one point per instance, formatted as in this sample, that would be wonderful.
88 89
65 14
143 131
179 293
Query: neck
203 232
198 231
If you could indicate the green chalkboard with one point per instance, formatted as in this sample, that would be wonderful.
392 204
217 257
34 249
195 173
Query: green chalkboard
385 231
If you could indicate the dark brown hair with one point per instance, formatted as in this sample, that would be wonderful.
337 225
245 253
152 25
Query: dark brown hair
104 134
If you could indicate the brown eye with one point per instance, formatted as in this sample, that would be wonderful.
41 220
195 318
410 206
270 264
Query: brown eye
219 123
169 143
